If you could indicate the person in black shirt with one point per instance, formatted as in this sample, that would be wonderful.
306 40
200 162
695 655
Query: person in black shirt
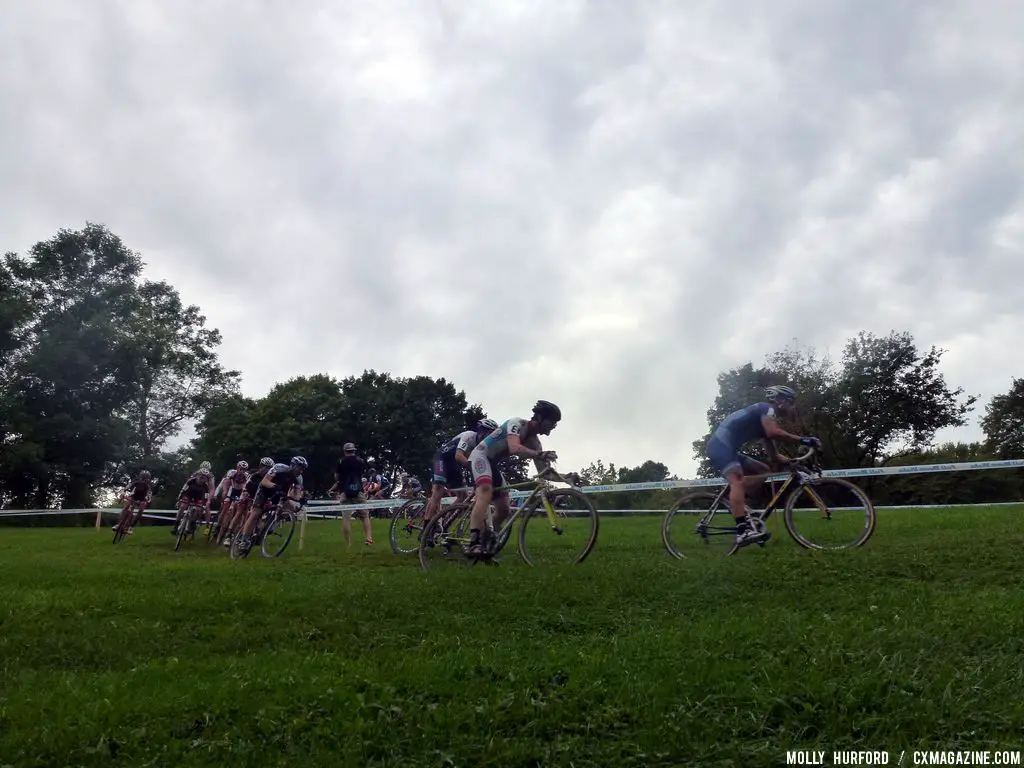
348 489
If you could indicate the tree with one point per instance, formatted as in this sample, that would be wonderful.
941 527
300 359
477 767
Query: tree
894 399
1003 422
174 371
884 400
96 369
596 473
304 416
69 376
648 472
402 422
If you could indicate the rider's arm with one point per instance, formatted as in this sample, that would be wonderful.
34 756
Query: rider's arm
772 431
515 445
774 457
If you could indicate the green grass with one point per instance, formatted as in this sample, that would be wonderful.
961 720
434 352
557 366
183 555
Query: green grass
137 655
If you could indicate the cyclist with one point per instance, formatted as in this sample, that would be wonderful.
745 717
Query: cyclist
451 462
230 490
755 422
518 436
139 492
348 476
411 486
245 503
280 479
196 490
378 484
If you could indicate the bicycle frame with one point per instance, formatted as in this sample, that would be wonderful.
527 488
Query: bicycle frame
802 465
541 487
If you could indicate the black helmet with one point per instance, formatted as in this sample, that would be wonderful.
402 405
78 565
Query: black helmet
547 410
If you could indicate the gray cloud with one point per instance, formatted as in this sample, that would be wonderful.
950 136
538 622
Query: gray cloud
604 204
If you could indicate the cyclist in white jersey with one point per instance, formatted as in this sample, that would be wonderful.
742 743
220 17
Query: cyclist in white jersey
518 436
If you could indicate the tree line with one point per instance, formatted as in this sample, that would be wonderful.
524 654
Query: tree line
100 369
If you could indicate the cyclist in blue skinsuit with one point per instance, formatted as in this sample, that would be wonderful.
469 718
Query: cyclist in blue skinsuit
755 422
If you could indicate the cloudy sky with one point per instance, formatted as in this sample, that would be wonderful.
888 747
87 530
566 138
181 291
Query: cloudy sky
603 204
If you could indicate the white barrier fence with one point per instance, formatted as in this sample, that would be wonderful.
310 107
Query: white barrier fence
330 506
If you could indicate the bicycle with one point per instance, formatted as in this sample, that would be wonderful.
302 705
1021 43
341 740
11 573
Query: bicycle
129 519
187 526
407 521
275 524
447 535
408 524
805 479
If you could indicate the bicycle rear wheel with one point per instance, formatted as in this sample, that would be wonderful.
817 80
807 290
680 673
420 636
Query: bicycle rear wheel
278 533
569 538
700 524
407 527
829 513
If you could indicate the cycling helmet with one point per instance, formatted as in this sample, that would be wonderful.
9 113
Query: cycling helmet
204 473
487 424
242 466
144 475
350 448
547 410
205 466
780 390
266 461
298 461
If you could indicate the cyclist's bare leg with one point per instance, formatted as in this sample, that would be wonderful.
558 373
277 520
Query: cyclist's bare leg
242 509
182 505
478 517
251 518
502 510
437 491
124 514
737 494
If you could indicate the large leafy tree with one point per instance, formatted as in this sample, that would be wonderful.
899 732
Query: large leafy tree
883 400
175 374
1004 422
97 370
69 374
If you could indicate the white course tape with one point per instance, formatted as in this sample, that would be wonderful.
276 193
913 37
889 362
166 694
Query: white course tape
332 506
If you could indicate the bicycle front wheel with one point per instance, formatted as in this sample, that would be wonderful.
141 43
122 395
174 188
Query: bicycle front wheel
184 528
569 537
700 524
829 513
407 527
278 534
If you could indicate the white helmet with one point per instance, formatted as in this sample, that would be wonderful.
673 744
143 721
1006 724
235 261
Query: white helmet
489 424
780 390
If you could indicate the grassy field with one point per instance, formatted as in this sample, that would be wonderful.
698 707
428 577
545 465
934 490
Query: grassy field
137 655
